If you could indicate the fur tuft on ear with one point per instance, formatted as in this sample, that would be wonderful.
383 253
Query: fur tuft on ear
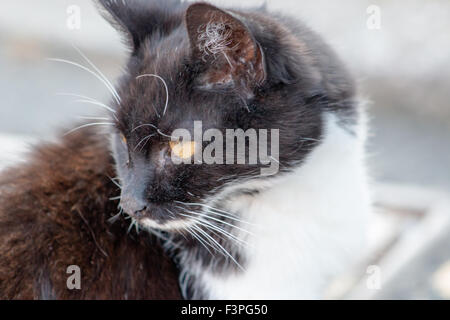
223 43
137 19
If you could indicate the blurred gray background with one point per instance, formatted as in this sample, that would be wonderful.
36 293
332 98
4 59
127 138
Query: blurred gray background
403 69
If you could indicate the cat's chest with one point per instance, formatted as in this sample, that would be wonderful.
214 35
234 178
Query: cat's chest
280 256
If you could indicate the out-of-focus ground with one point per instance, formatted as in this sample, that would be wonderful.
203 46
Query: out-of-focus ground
402 68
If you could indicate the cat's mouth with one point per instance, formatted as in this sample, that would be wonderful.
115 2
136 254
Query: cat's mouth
159 216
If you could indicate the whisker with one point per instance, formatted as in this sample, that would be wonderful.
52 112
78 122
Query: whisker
77 96
92 118
165 85
132 223
309 139
89 125
199 239
220 246
155 127
136 226
163 237
211 245
211 230
216 228
142 140
228 235
277 161
96 103
98 70
116 183
172 215
207 206
111 90
165 135
86 99
221 221
114 218
228 216
145 125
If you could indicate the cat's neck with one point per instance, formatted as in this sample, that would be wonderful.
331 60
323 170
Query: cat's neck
303 228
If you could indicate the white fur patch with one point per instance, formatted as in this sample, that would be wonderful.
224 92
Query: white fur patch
168 226
310 225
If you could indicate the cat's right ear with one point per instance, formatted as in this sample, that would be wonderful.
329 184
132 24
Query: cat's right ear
221 41
137 19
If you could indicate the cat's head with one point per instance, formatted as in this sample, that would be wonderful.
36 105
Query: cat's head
198 65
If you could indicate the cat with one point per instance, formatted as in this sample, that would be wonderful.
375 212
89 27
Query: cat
207 230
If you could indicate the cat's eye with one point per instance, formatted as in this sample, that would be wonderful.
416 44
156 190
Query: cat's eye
123 138
182 149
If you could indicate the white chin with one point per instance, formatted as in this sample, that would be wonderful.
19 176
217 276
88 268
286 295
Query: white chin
167 226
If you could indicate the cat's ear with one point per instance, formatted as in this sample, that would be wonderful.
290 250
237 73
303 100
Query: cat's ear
137 19
222 42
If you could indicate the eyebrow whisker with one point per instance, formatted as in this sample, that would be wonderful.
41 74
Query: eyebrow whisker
165 86
145 125
142 140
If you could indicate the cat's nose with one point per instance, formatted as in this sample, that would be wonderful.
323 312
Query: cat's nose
132 205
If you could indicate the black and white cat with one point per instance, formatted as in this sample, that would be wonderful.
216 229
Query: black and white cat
216 230
247 236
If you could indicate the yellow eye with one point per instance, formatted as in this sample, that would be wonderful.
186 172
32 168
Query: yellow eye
122 137
182 149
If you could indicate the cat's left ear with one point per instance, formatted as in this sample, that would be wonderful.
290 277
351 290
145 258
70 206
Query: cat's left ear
231 56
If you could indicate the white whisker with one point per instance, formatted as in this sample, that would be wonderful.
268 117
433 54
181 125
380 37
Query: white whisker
98 70
133 223
111 90
219 212
89 125
78 96
165 135
114 218
142 140
165 85
229 235
228 216
221 221
164 238
92 118
113 180
199 239
144 125
216 228
97 104
220 246
85 99
207 206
